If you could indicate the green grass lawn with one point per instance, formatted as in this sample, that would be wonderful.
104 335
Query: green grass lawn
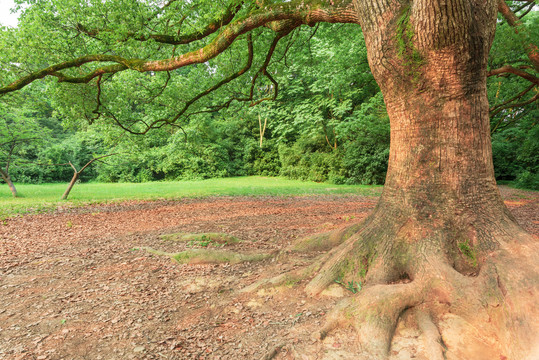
44 197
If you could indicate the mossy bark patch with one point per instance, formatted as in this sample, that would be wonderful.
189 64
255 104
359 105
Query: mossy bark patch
406 50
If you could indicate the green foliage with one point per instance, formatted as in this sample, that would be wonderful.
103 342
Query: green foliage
367 151
527 180
467 250
352 286
25 127
298 162
515 138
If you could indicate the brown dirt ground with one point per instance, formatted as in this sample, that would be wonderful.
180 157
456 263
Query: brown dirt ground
73 287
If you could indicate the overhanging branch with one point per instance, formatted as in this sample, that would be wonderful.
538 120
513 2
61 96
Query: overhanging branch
295 13
161 122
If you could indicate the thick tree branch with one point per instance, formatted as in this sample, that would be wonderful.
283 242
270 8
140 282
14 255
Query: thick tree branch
75 63
297 12
508 69
161 122
112 69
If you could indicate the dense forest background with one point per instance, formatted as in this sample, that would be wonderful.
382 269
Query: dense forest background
328 122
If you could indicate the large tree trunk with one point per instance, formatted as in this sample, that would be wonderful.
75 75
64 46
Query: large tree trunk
441 231
7 179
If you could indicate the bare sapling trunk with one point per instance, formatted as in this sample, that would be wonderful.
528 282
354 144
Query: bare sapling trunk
7 179
262 130
71 184
76 174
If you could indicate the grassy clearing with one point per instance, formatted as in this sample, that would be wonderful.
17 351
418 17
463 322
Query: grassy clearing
45 197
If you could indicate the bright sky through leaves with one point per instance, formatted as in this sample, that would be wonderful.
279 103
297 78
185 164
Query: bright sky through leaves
6 17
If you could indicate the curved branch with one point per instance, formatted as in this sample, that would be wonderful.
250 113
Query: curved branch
264 69
508 69
222 82
526 3
516 97
507 123
91 161
75 63
161 122
531 5
509 106
112 69
297 12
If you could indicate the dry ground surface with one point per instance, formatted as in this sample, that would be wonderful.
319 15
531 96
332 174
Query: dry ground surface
73 285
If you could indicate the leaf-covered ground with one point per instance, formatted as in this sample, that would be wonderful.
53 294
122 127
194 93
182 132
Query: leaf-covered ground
73 285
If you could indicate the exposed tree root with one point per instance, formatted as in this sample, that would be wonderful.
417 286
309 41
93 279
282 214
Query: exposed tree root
273 352
324 241
436 289
374 314
289 278
431 335
405 267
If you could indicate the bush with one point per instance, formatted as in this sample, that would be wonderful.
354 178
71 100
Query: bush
365 163
527 180
263 161
304 161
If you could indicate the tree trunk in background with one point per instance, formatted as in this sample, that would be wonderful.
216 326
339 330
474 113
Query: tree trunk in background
7 179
